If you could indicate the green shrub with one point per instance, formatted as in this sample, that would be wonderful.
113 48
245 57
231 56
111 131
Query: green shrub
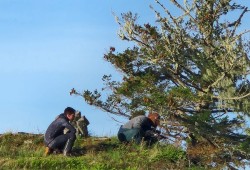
171 153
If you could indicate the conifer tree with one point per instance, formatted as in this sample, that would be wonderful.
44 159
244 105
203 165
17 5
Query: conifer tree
193 70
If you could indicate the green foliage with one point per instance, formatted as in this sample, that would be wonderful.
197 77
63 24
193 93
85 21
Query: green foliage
245 146
171 153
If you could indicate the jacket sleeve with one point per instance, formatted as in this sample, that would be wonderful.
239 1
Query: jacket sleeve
147 124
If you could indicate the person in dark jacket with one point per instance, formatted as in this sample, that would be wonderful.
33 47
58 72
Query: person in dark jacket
140 128
54 137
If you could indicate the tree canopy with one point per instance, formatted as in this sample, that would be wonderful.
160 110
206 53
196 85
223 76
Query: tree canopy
193 69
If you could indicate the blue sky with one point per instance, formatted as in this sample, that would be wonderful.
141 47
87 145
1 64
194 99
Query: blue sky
48 47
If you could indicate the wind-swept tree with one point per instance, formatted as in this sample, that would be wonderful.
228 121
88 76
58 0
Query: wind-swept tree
193 70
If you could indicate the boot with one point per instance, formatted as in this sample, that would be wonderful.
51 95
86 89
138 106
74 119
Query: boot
68 147
48 151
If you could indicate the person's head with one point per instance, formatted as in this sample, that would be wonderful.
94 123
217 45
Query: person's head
155 118
69 112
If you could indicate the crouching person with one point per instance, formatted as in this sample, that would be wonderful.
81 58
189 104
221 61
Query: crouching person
140 128
55 139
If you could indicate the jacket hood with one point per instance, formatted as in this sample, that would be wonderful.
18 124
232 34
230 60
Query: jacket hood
63 116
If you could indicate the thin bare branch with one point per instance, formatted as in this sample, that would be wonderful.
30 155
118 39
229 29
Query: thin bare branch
232 98
237 22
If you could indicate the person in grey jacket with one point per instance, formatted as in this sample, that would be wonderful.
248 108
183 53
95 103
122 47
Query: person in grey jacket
54 137
81 125
140 128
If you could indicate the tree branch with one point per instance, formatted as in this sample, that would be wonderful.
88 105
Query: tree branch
232 98
237 22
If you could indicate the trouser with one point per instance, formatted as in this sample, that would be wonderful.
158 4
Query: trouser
127 135
63 142
136 134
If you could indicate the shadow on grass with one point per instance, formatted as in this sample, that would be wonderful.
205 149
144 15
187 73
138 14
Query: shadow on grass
94 145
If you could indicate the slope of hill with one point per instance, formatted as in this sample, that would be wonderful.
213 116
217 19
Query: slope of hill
26 151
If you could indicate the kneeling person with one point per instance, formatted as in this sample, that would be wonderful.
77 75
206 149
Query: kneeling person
55 139
140 128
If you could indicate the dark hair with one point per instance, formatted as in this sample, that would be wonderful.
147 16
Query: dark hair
69 110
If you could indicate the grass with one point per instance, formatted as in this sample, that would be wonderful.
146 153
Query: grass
23 151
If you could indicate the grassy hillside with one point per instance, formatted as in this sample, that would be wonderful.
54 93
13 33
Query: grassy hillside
24 151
